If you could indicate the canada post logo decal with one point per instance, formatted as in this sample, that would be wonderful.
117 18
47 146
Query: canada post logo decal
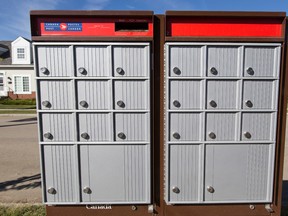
63 26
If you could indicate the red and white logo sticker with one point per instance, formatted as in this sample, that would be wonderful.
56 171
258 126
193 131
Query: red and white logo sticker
63 26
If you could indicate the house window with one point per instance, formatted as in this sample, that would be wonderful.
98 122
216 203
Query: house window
20 53
1 82
21 84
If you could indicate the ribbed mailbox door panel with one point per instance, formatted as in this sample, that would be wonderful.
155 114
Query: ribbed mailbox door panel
94 116
220 122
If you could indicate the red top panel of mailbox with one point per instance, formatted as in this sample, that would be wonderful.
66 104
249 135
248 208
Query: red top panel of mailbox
92 24
225 24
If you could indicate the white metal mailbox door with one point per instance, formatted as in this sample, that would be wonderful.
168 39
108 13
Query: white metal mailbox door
115 173
239 172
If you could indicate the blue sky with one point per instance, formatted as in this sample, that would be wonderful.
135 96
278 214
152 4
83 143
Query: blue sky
14 14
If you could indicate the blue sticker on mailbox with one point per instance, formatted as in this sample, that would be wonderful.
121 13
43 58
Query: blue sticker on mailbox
63 26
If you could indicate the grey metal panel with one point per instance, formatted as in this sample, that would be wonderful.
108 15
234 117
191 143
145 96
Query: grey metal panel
225 59
187 93
223 125
187 125
134 94
97 94
260 93
96 125
59 172
238 172
261 126
134 126
189 60
184 172
57 59
58 93
263 60
224 93
60 125
96 60
133 60
115 173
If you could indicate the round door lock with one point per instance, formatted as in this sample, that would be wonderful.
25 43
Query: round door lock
85 136
82 71
247 135
250 71
213 103
176 135
87 190
83 104
134 208
212 135
175 190
48 136
44 70
213 71
121 135
176 70
210 189
176 103
120 71
51 190
121 104
46 104
249 103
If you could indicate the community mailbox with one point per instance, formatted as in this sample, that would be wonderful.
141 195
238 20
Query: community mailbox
169 115
94 105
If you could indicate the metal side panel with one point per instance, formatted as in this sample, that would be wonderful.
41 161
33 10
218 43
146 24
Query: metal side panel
185 127
56 95
187 61
223 61
259 94
57 127
131 94
222 94
54 61
258 126
131 127
94 127
185 94
131 60
264 61
238 172
184 171
59 173
93 61
221 126
93 95
115 173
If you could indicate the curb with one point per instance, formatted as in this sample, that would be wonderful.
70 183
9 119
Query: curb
18 115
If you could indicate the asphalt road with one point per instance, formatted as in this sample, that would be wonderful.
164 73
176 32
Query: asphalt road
20 166
19 160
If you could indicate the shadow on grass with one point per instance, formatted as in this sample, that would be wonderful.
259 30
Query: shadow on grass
25 182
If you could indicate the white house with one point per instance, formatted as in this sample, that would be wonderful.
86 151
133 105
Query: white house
17 78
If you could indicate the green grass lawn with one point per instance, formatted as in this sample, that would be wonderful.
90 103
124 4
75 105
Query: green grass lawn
22 210
22 106
2 106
